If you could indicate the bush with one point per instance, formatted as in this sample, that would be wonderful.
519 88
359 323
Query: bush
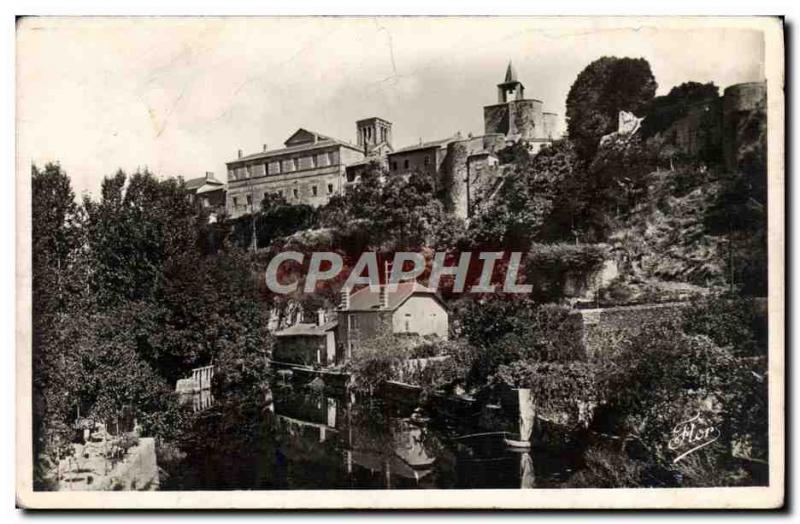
658 376
548 265
562 390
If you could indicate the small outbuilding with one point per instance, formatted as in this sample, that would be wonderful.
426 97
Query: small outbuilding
307 343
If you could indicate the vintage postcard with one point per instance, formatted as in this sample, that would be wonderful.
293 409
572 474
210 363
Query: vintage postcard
400 262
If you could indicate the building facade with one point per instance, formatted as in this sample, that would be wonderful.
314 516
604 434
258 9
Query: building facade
307 344
309 169
407 308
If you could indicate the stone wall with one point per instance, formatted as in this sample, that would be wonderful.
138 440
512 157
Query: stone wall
138 472
454 168
525 119
305 350
495 119
739 101
592 324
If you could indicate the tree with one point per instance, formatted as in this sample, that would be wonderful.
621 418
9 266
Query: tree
603 89
58 303
521 211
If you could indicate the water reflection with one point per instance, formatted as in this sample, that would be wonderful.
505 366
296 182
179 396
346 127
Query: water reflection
313 440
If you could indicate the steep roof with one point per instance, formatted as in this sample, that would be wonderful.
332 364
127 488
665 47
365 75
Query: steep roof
511 74
368 298
307 329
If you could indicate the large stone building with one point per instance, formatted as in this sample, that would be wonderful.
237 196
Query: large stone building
309 169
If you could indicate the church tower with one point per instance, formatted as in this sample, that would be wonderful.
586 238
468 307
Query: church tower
516 117
371 133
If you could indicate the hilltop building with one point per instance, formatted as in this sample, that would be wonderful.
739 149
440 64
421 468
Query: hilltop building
516 117
311 167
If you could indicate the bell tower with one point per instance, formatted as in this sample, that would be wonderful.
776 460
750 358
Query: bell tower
510 86
372 132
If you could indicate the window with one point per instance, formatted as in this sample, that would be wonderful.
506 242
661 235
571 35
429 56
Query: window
295 193
332 158
294 164
405 164
394 165
427 160
205 202
330 188
314 190
235 201
231 174
249 200
274 167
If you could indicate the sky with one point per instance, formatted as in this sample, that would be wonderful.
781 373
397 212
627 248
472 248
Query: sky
180 96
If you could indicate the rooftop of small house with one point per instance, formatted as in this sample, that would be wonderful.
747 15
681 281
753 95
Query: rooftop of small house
304 329
368 298
193 184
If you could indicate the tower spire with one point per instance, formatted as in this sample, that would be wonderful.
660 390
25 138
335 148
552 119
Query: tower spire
511 74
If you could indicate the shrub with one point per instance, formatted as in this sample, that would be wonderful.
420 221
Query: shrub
548 265
658 376
563 390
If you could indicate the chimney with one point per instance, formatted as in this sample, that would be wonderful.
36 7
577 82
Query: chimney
344 304
240 153
384 297
320 317
209 175
265 148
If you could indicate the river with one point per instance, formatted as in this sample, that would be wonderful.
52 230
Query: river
307 439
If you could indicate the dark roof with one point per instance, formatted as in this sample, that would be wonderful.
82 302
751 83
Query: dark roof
511 74
424 145
368 298
308 330
196 183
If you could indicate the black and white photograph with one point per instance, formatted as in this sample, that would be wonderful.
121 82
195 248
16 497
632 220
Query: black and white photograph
400 262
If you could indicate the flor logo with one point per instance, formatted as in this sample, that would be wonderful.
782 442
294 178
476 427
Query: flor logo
692 435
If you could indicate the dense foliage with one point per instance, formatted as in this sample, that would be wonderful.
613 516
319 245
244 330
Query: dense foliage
126 301
603 89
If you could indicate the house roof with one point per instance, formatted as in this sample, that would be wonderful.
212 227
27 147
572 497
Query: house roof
307 330
368 298
424 145
301 140
196 183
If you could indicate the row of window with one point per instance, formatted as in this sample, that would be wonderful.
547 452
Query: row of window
288 194
287 165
